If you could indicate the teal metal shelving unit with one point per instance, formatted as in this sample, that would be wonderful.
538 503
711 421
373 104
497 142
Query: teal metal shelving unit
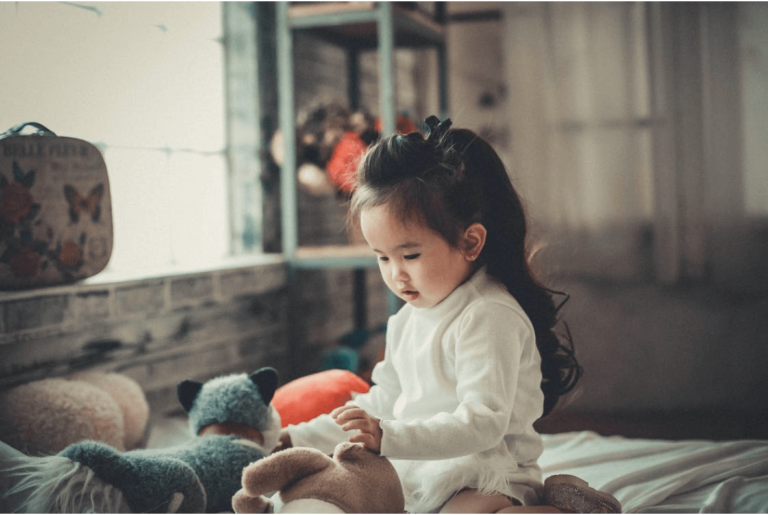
354 26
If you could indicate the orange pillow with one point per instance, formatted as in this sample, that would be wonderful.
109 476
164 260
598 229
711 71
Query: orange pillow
307 397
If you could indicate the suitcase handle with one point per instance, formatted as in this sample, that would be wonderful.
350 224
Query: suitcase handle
42 130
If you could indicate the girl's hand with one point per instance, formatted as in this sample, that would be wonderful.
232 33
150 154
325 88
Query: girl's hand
368 427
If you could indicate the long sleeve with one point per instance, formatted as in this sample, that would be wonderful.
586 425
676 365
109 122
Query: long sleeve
380 399
485 352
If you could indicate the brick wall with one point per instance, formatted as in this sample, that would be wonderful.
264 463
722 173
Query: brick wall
325 311
320 70
158 331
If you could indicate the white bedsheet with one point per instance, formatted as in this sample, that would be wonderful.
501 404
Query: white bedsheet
646 476
659 476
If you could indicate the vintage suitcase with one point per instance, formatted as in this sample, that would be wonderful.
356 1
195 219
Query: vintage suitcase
55 209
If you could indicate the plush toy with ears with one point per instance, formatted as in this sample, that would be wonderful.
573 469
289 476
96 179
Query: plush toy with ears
355 480
234 423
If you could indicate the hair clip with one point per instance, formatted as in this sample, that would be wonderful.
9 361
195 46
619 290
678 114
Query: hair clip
437 128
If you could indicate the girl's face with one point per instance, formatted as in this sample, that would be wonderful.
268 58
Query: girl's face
417 263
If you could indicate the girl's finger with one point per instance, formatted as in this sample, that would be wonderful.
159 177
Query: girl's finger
351 414
367 440
357 424
341 409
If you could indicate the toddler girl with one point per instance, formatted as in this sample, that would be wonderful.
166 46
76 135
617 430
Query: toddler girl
471 360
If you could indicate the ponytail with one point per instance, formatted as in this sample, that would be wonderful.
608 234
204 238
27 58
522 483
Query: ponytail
506 256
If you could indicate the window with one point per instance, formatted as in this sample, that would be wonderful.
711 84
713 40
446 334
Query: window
144 82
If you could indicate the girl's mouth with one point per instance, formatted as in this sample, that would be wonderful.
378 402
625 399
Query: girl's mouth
409 295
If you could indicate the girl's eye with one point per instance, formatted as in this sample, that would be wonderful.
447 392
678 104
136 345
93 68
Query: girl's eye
412 256
383 258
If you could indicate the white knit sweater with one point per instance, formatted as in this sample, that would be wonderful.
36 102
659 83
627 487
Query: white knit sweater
457 395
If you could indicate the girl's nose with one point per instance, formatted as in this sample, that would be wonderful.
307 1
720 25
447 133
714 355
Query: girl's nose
398 273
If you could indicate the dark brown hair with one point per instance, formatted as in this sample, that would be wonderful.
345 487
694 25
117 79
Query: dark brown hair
450 180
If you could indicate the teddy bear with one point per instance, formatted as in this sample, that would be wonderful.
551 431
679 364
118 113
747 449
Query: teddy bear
354 480
235 425
44 417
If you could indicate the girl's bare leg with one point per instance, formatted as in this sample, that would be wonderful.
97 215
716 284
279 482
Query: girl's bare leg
471 501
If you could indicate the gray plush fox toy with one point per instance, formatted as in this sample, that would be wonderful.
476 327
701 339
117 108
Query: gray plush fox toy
234 423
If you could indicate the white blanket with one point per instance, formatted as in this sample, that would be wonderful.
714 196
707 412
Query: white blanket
659 476
646 476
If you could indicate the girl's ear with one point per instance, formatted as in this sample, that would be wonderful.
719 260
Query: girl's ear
474 241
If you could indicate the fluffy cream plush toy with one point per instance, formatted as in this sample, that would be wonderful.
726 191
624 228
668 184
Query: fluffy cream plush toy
354 480
44 417
129 396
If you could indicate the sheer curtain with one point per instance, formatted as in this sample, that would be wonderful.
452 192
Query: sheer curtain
636 136
581 137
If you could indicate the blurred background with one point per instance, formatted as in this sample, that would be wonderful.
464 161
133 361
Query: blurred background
634 131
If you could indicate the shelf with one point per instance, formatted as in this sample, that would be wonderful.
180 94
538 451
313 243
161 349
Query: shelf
334 256
354 24
383 26
356 27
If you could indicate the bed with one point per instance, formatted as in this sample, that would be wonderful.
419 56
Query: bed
646 475
664 476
